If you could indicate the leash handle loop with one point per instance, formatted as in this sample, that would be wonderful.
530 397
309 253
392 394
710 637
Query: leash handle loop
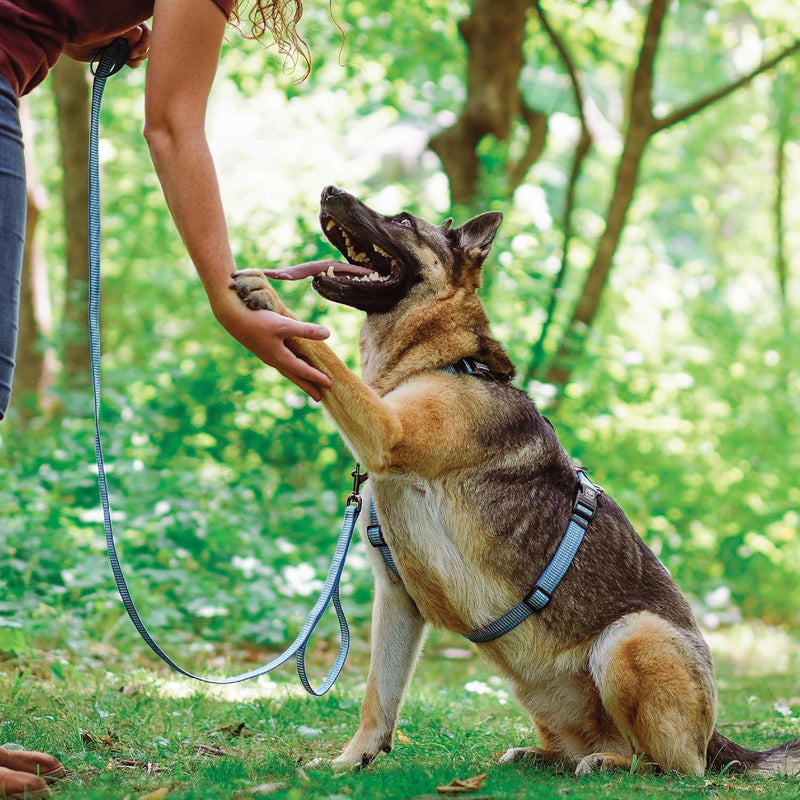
105 63
109 60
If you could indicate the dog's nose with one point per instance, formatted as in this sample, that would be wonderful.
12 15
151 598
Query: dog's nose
332 191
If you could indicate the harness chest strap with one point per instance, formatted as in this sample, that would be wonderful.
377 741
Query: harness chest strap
583 511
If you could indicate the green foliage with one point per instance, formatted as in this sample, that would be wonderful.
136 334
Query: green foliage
227 484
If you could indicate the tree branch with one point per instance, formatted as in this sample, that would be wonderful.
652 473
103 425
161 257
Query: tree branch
783 92
536 123
642 92
565 57
699 105
581 151
640 130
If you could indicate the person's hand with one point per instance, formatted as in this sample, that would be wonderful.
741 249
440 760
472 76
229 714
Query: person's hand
264 334
138 39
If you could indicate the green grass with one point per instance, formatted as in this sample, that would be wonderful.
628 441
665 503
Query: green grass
126 730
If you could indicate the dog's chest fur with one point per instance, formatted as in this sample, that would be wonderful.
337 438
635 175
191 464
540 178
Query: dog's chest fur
439 551
438 548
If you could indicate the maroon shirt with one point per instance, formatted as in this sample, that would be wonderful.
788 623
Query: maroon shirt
34 32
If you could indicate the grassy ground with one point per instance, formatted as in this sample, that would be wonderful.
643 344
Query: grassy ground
128 731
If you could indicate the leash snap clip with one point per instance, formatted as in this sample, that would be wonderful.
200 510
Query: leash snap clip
358 478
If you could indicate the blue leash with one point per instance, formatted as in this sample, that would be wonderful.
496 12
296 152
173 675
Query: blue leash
106 63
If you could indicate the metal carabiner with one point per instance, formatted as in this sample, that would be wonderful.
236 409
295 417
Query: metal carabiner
358 478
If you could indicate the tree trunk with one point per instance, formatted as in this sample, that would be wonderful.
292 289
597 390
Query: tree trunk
494 101
641 127
35 360
71 88
572 341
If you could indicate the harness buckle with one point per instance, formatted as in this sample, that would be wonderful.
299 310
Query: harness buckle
375 535
537 599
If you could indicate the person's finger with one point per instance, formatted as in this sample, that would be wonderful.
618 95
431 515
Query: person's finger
303 330
311 389
311 385
297 370
303 371
139 41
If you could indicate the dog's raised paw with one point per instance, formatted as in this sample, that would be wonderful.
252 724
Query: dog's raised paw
253 289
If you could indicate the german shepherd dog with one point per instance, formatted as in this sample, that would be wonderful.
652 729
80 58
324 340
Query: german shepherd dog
473 491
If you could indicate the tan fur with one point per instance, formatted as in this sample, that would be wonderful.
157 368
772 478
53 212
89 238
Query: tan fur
614 670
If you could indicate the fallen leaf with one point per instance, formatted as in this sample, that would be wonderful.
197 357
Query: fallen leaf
261 789
233 730
156 795
459 786
148 766
402 738
210 750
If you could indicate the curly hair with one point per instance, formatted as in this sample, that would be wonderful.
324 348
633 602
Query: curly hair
278 18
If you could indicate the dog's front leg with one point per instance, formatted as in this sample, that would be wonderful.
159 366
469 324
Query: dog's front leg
397 634
370 426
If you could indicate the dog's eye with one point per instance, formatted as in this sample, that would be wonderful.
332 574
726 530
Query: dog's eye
405 221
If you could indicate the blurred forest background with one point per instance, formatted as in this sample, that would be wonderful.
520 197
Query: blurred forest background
646 282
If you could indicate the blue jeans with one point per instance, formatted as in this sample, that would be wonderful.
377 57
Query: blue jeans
13 210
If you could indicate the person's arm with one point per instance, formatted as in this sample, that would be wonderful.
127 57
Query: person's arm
184 51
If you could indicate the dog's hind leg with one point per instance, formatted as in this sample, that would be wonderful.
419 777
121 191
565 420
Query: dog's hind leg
532 753
397 635
656 683
552 750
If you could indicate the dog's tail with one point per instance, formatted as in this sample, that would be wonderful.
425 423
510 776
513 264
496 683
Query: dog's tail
723 755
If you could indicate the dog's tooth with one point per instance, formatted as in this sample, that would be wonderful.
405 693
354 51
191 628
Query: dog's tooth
331 224
331 273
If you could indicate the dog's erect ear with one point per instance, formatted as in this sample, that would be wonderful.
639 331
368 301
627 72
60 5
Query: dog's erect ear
478 234
445 226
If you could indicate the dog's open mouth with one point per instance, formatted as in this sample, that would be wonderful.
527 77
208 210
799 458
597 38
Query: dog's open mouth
367 262
377 272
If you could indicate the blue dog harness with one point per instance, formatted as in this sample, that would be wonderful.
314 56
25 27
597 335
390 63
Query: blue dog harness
583 510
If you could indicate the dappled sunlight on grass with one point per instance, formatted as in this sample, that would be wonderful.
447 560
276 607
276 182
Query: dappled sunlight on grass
244 692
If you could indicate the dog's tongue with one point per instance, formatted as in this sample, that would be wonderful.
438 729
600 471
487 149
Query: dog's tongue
308 268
